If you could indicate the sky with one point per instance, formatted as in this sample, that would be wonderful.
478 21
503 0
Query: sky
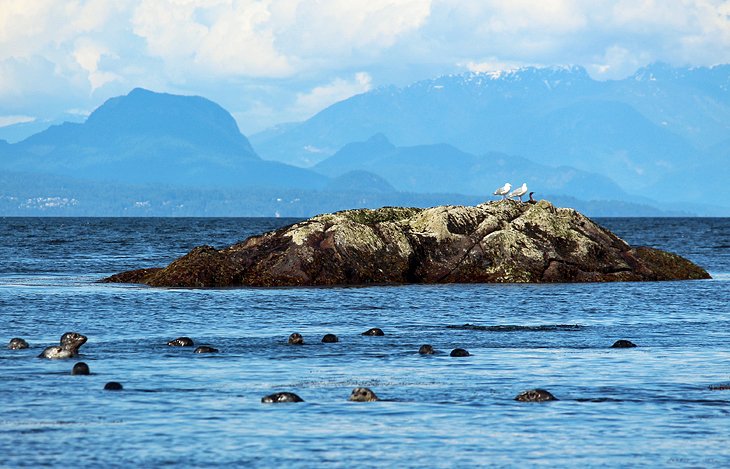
277 61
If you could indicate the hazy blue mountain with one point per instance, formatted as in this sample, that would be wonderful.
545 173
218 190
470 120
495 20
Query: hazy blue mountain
156 154
650 133
444 168
360 181
17 132
146 137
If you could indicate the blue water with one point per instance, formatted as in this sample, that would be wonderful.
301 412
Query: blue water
646 406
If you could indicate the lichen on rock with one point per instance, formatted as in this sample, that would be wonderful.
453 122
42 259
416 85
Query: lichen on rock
505 241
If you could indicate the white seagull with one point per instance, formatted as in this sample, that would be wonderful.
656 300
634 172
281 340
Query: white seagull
504 190
519 192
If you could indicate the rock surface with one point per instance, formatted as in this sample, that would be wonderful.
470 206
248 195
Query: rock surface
505 241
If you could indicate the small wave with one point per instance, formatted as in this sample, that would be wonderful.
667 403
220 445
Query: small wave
516 328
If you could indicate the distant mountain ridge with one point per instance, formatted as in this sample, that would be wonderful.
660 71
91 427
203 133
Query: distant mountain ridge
147 137
446 169
651 133
154 153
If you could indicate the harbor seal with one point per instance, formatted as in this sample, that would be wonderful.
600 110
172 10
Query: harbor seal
205 349
80 368
535 395
113 386
296 339
623 344
459 352
181 342
426 349
363 395
719 387
16 343
376 331
281 397
70 343
330 339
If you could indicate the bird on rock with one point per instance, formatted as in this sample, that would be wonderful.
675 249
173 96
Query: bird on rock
519 192
504 190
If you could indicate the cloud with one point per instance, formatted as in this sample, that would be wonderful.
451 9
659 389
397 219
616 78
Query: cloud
320 97
278 60
10 120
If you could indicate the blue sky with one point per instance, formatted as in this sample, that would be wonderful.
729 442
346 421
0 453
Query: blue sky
273 61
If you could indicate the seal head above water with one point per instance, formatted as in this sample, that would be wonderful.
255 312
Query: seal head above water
70 343
205 349
113 386
622 343
181 342
362 395
535 395
330 339
16 343
376 331
296 339
426 349
80 368
459 352
281 397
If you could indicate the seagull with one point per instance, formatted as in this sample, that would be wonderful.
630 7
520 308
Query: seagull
519 192
504 190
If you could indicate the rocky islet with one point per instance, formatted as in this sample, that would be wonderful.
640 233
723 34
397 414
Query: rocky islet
495 242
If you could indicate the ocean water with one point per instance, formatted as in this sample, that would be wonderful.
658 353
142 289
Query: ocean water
647 406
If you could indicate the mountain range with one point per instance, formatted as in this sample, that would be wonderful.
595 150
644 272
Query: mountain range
454 139
663 132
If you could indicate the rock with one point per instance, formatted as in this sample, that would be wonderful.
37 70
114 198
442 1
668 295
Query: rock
505 241
535 395
623 343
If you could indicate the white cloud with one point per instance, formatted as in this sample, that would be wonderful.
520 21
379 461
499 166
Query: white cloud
77 53
10 120
320 97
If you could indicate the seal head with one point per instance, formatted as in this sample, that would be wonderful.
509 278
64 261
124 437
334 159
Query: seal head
281 397
181 342
535 395
330 339
80 368
459 352
16 343
426 349
70 344
363 395
296 339
113 386
623 343
374 331
205 349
